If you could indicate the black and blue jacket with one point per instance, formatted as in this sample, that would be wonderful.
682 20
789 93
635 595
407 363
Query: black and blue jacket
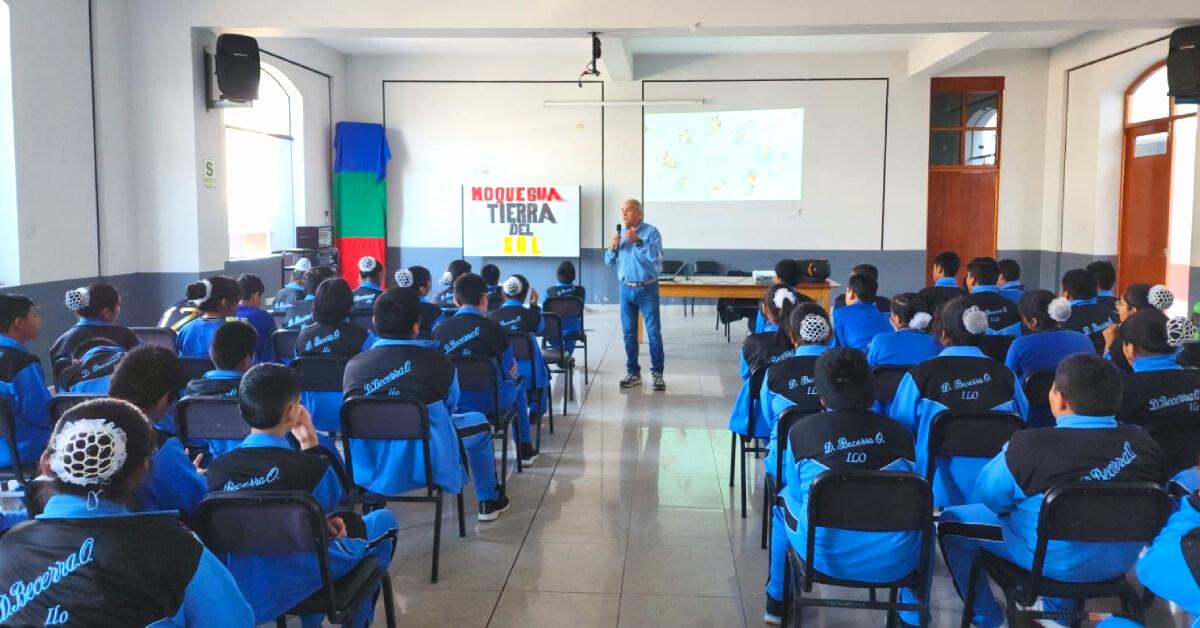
1004 317
789 382
21 381
941 292
62 352
300 313
289 294
92 372
364 296
1091 318
759 351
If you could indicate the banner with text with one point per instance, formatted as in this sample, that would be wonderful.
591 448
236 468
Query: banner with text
520 220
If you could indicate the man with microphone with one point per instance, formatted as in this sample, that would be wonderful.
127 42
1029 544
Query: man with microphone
636 251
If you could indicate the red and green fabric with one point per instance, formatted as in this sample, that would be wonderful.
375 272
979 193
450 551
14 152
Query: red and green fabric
360 194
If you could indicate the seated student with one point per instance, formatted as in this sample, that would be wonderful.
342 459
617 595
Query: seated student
761 351
294 290
1169 567
1138 297
1087 315
469 332
217 299
1159 392
847 391
883 303
960 379
945 286
232 353
515 318
401 366
1049 343
179 314
860 320
787 272
419 279
266 461
301 312
331 336
150 378
491 277
456 269
370 274
250 310
110 567
1010 280
1003 315
1086 443
21 379
98 306
1106 276
911 343
566 287
789 382
95 362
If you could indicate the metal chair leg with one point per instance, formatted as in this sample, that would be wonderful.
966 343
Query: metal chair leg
437 535
732 457
765 515
462 520
585 364
550 405
743 452
389 601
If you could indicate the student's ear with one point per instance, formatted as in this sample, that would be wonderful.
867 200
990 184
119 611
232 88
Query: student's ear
1058 403
1127 349
416 328
456 303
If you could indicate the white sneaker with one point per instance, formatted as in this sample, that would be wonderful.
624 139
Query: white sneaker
1044 623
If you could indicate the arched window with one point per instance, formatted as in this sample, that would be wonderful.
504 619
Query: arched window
264 166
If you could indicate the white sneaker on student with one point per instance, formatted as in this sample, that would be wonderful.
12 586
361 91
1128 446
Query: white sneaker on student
1044 623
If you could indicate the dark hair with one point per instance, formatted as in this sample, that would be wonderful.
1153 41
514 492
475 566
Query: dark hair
788 271
250 285
146 374
1147 332
490 274
233 342
1090 384
12 307
265 392
376 272
950 322
139 445
1079 284
101 296
520 296
794 319
314 277
469 289
91 343
459 267
1035 306
224 290
396 311
1009 269
1137 296
906 305
864 286
780 314
844 380
985 271
333 301
866 269
1104 273
949 261
565 272
421 276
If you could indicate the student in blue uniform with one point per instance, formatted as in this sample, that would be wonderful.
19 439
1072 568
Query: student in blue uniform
301 312
456 269
266 461
1087 442
1047 344
847 391
331 336
370 274
402 366
232 354
883 303
515 318
1106 276
150 378
419 279
910 343
491 277
98 307
294 290
95 362
571 325
787 272
250 310
1087 314
789 382
860 320
945 286
217 299
21 378
760 351
960 379
1136 298
1171 566
1010 279
470 332
87 561
1003 315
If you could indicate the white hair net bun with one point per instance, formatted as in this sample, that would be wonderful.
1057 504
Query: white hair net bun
1160 297
367 264
88 451
975 321
77 299
1059 309
920 321
512 286
814 328
784 295
447 279
1180 330
404 278
303 265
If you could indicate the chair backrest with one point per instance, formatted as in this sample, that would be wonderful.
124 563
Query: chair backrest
478 374
280 317
8 434
756 381
995 346
522 347
318 374
1179 440
564 306
365 418
552 329
283 343
887 380
363 319
196 366
1037 387
210 417
60 403
160 336
970 434
670 267
787 419
705 267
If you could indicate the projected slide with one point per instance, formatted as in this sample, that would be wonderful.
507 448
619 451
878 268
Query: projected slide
724 155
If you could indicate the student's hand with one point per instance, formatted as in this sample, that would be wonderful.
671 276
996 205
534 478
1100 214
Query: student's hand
1110 334
304 431
196 463
514 371
335 527
533 297
614 242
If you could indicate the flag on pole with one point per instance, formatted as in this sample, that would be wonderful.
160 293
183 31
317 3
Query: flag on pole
360 194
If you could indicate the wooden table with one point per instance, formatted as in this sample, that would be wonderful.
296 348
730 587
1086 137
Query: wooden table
733 288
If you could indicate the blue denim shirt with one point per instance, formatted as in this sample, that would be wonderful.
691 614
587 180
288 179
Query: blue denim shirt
640 262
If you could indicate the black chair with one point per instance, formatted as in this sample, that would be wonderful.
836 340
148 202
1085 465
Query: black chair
396 420
523 348
774 484
283 343
887 381
756 380
558 361
364 319
21 471
1078 512
160 336
1178 438
60 403
969 435
1037 390
729 310
321 374
196 366
280 317
567 307
480 374
897 502
995 346
232 523
209 418
672 269
703 268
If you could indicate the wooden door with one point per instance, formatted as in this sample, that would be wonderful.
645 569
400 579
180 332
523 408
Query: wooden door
1145 204
962 214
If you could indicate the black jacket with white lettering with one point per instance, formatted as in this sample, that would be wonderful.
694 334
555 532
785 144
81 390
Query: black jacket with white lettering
517 319
827 438
793 378
1092 319
424 374
340 340
471 334
763 350
267 469
938 379
1042 458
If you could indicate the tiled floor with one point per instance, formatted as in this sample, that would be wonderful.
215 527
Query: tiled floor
627 519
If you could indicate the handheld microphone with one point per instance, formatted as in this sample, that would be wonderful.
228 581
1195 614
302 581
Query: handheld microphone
618 234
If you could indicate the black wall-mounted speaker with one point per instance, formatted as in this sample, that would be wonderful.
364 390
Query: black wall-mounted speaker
237 67
1183 65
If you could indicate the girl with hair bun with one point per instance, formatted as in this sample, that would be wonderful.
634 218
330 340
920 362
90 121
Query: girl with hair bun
1137 297
418 278
370 274
516 318
98 307
759 351
960 379
1157 392
910 343
1043 313
217 299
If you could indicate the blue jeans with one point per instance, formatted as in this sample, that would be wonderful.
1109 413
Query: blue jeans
645 300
